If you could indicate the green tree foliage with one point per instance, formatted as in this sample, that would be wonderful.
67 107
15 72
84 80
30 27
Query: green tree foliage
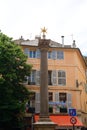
13 69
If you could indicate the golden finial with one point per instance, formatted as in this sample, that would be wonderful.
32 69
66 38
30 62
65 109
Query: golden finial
44 30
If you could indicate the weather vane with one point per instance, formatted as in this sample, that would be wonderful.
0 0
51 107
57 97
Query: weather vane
44 31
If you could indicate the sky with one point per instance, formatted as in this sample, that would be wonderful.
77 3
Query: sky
66 18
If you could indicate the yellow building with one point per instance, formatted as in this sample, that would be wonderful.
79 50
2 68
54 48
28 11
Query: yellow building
67 77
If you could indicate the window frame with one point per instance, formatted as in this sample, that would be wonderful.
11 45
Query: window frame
32 54
60 55
62 97
49 55
62 78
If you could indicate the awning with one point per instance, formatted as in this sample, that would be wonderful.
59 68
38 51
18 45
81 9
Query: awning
62 120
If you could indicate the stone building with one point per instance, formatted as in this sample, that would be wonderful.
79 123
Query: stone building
67 77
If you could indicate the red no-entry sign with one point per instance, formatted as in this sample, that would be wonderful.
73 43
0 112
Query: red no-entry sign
73 120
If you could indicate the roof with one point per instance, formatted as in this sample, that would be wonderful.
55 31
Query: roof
61 120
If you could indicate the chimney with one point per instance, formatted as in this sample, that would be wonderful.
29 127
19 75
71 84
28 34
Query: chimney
62 41
74 44
21 38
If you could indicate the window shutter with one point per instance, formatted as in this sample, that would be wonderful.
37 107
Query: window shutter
37 77
37 102
57 100
54 77
69 100
54 55
26 52
56 97
38 53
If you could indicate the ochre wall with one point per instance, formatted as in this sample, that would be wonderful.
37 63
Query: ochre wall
74 66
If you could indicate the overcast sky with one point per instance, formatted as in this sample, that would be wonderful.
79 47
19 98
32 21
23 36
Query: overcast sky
60 17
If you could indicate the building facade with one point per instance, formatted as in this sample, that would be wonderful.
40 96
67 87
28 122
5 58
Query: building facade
67 78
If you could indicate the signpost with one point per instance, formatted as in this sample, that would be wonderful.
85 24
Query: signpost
72 112
73 120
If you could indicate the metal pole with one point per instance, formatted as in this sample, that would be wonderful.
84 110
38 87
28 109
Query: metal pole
73 127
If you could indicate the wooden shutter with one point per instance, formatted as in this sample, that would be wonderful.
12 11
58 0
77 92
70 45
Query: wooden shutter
26 52
37 77
56 97
69 100
37 102
57 100
54 55
54 77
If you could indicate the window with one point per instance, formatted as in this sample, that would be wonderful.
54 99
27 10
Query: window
50 96
49 77
32 96
32 99
61 106
61 77
60 55
62 97
25 80
32 54
49 54
32 78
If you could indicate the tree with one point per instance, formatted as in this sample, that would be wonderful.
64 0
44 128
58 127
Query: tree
13 69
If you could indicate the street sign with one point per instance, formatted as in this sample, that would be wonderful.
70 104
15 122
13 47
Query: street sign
72 112
73 120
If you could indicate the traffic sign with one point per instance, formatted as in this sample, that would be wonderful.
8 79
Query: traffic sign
73 120
72 112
